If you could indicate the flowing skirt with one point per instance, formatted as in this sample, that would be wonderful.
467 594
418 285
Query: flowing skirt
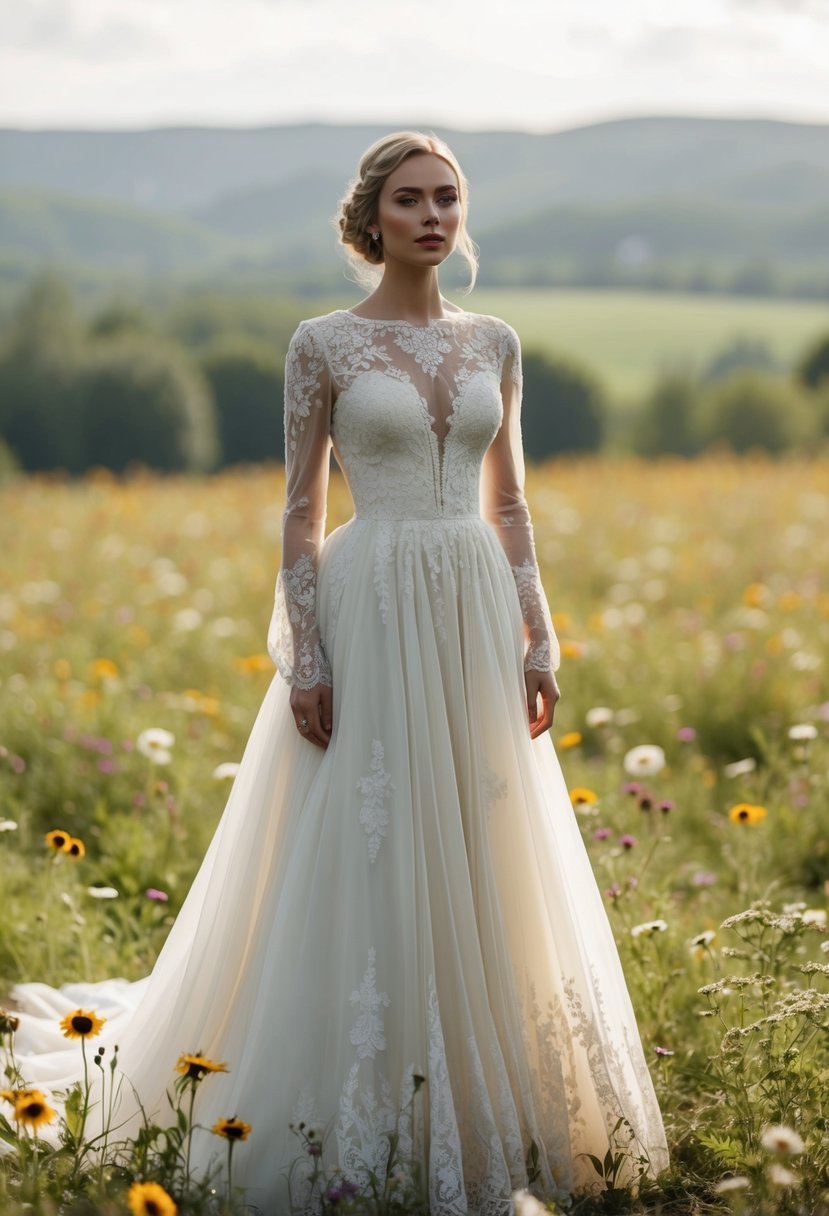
416 900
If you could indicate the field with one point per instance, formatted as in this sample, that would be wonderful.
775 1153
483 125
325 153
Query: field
694 616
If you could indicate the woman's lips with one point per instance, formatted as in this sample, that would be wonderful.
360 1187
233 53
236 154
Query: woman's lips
430 240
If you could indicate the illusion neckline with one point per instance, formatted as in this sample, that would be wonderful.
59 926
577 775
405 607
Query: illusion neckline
412 324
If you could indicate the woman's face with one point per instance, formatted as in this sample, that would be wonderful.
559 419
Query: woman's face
419 211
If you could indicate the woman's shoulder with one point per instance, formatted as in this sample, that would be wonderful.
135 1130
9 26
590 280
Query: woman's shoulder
506 336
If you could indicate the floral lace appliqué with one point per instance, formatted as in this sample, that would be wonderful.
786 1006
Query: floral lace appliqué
376 787
367 1034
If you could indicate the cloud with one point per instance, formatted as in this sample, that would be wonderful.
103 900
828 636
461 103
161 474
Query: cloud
53 27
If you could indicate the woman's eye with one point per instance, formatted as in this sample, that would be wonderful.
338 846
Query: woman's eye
448 198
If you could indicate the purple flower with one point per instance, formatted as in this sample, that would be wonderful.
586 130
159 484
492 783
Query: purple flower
160 896
704 878
613 892
645 801
128 745
602 833
687 734
104 746
627 841
349 1188
139 799
333 1194
666 805
633 787
663 1051
315 1149
107 766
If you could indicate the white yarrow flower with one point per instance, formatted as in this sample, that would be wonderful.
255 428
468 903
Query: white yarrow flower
780 1139
803 732
739 768
8 825
814 916
155 742
102 892
646 760
649 928
782 1177
221 771
599 715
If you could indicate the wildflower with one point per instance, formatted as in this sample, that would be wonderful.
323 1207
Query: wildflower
221 771
825 947
634 788
14 1095
803 732
196 1066
666 805
645 801
76 848
737 1182
745 812
686 734
663 1051
571 739
159 896
613 892
81 1024
781 1177
649 928
8 1022
150 1199
627 841
8 825
599 715
740 768
814 916
580 796
232 1129
701 942
315 1149
58 840
647 760
780 1139
155 743
102 892
602 833
32 1110
527 1204
704 878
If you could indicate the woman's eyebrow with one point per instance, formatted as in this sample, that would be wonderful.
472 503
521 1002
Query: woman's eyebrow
417 189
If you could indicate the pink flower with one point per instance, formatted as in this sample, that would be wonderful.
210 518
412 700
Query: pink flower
627 841
633 787
613 892
107 766
704 878
159 896
602 833
666 805
663 1051
687 734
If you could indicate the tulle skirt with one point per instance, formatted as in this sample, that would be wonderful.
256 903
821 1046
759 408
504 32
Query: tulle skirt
413 902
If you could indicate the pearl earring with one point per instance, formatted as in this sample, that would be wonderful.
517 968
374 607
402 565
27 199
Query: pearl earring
375 236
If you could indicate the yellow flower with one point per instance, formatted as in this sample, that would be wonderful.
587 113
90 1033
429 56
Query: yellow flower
58 840
232 1129
571 739
15 1095
62 669
75 848
102 669
571 649
582 795
745 812
150 1199
196 1066
253 662
81 1024
32 1109
754 595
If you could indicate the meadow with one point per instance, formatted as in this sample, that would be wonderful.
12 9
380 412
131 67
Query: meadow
691 602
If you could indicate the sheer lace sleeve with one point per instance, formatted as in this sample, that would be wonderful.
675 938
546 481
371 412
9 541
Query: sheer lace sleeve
294 641
505 508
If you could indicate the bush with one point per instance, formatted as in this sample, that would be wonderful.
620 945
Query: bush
666 424
814 366
247 384
563 410
747 410
141 400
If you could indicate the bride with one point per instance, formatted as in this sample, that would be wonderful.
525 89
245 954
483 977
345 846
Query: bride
397 895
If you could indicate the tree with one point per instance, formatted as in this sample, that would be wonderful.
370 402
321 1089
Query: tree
246 380
563 409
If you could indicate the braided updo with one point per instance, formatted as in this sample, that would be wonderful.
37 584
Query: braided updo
358 208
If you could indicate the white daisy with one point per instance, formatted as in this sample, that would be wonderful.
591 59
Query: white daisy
649 928
739 768
155 742
599 715
803 732
781 1177
780 1139
646 760
102 892
228 769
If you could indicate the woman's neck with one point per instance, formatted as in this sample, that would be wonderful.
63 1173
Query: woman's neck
406 294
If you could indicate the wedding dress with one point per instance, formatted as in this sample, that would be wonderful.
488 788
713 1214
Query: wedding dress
416 899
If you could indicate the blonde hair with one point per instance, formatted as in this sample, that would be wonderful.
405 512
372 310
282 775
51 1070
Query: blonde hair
358 207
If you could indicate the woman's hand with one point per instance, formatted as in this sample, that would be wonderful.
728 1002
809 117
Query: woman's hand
311 708
543 684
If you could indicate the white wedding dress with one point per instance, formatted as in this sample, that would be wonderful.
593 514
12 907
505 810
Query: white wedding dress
416 898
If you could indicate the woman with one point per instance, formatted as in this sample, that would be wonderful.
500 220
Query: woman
397 888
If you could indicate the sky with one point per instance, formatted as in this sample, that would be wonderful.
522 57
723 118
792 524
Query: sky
535 65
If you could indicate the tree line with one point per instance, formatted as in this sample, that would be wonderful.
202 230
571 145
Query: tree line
203 393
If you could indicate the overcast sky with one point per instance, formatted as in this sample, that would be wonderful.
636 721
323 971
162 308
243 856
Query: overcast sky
532 64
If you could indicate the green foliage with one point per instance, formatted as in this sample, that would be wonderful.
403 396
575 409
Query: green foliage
140 400
564 408
667 421
246 379
747 410
814 366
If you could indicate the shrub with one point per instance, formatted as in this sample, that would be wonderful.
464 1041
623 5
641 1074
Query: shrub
247 384
747 410
666 423
564 408
814 366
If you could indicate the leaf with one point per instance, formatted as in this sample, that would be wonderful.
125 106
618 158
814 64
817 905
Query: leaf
726 1149
72 1111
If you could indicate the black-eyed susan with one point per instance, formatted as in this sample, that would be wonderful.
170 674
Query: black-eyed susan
82 1024
232 1129
196 1066
581 796
150 1199
32 1110
747 812
14 1095
76 848
58 840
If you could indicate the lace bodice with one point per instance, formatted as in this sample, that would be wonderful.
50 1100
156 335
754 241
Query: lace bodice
425 424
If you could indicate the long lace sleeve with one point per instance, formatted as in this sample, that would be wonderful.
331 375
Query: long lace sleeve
505 508
294 641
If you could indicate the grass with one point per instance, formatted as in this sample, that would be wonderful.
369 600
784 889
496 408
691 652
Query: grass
690 601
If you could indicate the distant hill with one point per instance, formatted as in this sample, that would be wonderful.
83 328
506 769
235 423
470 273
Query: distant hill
631 198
